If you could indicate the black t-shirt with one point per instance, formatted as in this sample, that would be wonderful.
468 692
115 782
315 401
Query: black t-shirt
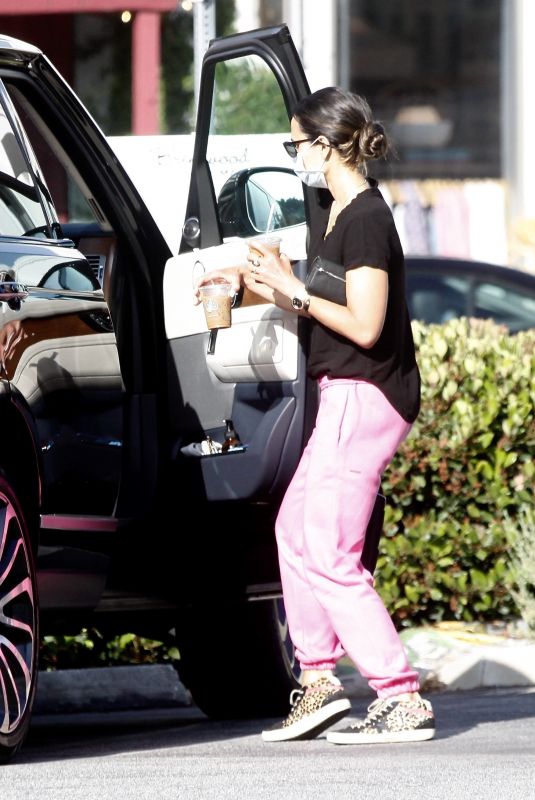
365 234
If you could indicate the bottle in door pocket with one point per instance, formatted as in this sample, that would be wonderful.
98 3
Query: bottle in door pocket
231 437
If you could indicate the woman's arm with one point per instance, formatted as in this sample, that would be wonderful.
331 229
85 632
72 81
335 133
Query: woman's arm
280 291
363 318
361 321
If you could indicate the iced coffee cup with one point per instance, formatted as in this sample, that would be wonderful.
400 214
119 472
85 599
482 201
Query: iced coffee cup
269 240
216 302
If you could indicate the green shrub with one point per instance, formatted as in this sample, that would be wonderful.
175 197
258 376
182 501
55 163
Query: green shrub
460 491
90 648
521 535
465 469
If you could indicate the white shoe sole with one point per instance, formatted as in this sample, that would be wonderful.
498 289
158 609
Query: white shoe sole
312 725
343 737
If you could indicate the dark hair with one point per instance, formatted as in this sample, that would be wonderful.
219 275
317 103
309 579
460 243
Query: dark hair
345 119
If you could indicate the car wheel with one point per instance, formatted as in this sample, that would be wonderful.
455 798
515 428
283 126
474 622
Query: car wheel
19 629
218 645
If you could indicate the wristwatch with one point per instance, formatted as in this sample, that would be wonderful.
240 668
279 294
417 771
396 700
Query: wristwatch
301 301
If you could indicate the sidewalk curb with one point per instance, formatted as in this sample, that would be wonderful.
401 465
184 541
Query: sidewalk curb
110 688
444 663
463 661
456 659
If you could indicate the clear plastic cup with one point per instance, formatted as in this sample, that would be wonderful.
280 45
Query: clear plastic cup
269 240
216 300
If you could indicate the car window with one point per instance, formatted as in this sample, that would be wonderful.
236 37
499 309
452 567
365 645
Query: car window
21 213
507 305
74 204
75 277
437 298
248 126
68 190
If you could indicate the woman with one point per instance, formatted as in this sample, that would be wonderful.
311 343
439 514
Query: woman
362 355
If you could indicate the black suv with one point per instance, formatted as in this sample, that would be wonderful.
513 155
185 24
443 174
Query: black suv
112 515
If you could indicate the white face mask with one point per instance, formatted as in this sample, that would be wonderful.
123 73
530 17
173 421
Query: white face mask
315 178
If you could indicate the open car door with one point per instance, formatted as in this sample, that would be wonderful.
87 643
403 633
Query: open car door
254 372
242 185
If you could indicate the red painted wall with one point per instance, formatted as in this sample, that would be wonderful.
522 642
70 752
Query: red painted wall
84 6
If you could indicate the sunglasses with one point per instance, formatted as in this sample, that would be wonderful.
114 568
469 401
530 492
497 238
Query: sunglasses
291 147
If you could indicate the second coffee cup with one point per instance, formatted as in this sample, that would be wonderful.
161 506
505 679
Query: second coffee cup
269 240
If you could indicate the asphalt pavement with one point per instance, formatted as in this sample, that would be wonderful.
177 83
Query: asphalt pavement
484 748
448 656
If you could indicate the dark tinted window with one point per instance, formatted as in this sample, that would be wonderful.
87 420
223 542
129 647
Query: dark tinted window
437 298
435 295
431 72
509 305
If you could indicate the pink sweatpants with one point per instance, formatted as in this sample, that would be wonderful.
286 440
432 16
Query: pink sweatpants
331 604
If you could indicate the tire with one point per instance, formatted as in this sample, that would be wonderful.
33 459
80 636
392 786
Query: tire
19 624
219 644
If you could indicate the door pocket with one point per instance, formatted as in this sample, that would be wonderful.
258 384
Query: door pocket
256 348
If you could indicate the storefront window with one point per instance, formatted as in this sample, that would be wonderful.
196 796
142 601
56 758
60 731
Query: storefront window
431 72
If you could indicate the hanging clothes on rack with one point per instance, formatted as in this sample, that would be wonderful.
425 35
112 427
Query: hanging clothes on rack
487 231
456 218
416 223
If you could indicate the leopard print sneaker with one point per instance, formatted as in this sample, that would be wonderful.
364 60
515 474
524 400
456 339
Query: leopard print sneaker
390 721
314 708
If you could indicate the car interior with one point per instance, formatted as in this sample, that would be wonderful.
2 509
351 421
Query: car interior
81 217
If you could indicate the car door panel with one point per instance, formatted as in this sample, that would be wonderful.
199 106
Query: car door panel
59 349
262 343
255 372
252 377
62 358
255 349
252 473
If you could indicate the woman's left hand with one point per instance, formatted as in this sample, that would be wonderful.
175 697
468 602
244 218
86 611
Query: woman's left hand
267 269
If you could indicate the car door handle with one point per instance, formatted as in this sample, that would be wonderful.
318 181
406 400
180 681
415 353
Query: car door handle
13 293
210 350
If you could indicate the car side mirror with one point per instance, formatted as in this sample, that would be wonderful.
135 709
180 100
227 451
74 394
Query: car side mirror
260 199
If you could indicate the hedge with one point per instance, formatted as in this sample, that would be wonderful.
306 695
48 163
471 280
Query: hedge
459 482
459 540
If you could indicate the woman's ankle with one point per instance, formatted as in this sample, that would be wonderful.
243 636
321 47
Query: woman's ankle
310 676
406 696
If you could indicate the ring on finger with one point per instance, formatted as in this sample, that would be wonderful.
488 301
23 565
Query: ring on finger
255 262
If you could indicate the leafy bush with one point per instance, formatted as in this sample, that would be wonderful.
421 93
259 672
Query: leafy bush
463 473
459 539
522 559
90 648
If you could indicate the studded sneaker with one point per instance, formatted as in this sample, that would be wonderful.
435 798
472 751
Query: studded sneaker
390 720
314 708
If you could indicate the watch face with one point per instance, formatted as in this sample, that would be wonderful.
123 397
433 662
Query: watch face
297 302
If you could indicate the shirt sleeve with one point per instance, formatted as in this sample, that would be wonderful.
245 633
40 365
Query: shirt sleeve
367 239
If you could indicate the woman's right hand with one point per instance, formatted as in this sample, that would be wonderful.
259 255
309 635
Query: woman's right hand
232 275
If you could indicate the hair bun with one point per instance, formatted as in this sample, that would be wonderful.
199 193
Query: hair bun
373 141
